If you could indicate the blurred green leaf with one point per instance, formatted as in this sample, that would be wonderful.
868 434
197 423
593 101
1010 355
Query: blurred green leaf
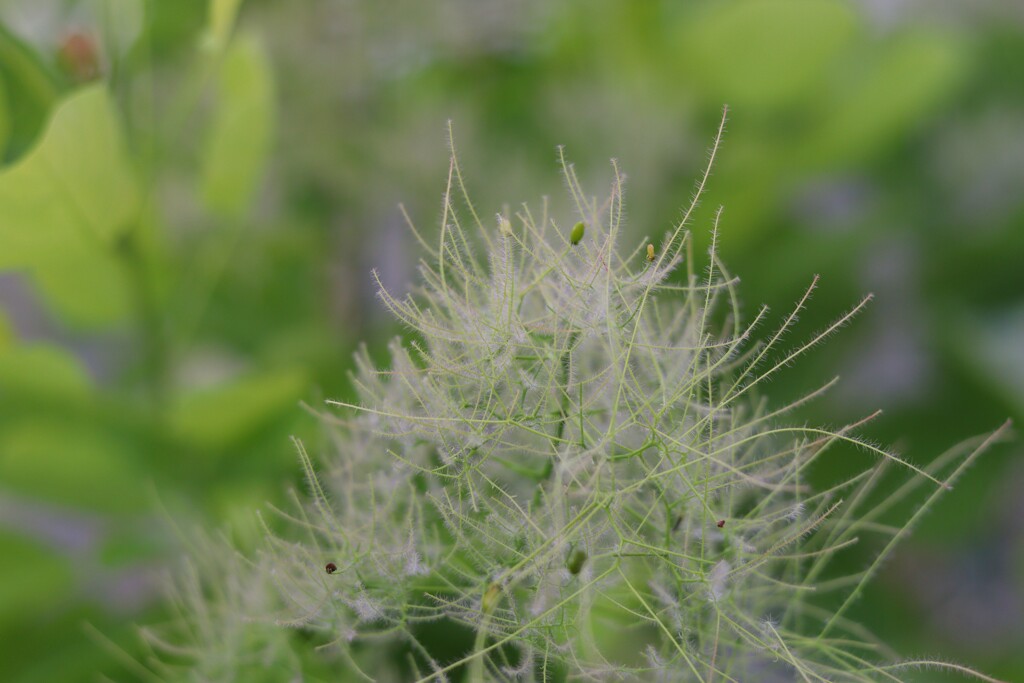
42 370
226 414
64 205
73 462
992 348
76 181
6 333
104 300
220 23
32 579
5 117
121 21
80 656
763 53
239 138
901 83
30 91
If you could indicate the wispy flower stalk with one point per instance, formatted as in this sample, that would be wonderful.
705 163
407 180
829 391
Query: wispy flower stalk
571 459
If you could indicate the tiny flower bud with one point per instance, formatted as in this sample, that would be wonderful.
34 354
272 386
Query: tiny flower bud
79 57
577 233
504 226
576 561
490 599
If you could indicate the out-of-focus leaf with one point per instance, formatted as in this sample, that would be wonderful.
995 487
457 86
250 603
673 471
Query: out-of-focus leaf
762 53
42 370
77 180
993 347
121 21
90 289
75 463
30 90
6 334
80 656
901 83
5 117
226 414
239 136
64 205
79 57
32 579
233 502
220 23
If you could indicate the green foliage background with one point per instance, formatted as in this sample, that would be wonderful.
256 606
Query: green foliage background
191 203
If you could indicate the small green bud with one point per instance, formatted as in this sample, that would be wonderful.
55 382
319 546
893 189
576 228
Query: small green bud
576 560
577 233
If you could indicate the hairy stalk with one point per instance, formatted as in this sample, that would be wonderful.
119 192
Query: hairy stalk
487 604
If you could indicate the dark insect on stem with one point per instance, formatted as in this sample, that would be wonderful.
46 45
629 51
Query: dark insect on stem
721 523
675 526
331 568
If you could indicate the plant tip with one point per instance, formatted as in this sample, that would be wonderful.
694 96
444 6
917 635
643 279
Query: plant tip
504 226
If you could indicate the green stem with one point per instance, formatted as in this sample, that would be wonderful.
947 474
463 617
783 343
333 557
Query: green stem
487 605
156 356
476 665
563 410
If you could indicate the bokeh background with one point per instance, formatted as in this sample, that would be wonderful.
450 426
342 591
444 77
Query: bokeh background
193 193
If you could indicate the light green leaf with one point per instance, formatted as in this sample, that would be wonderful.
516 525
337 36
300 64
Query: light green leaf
64 205
121 21
224 415
239 138
765 53
903 81
71 462
220 23
76 181
89 288
42 370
